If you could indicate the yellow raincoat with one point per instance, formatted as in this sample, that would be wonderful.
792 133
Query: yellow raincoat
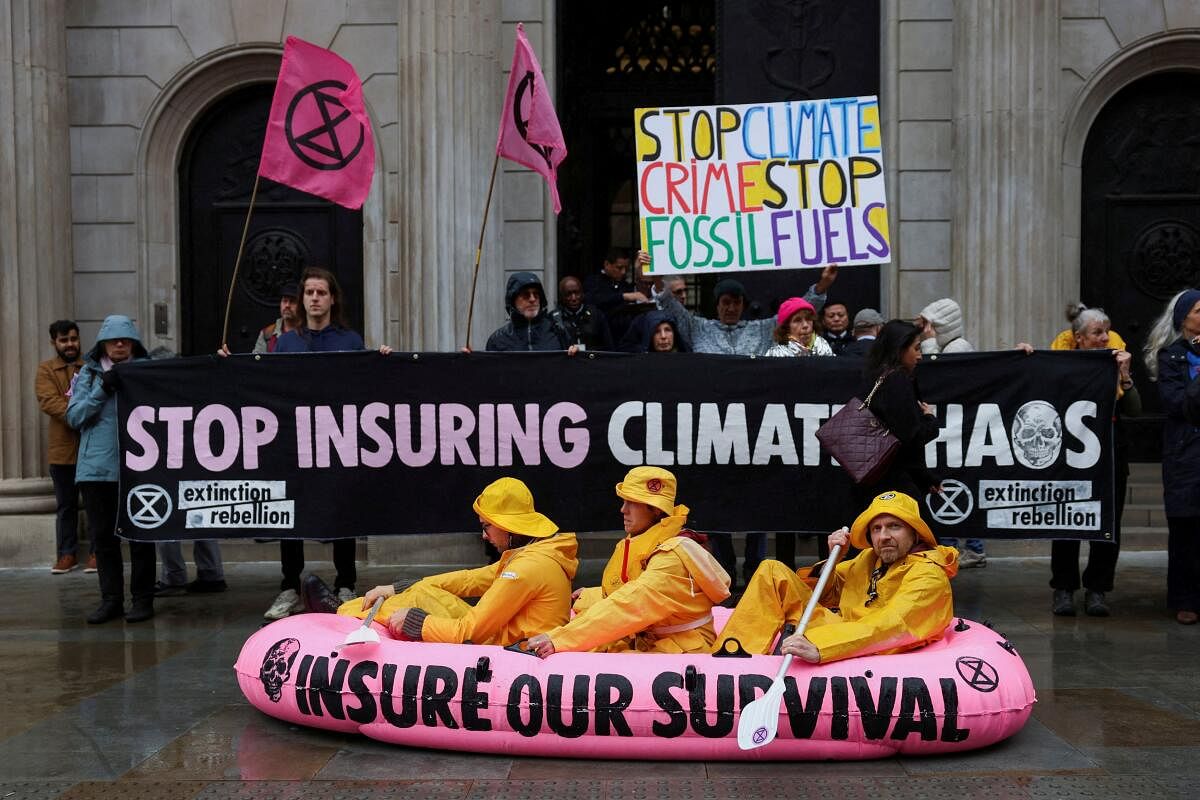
526 592
913 607
656 596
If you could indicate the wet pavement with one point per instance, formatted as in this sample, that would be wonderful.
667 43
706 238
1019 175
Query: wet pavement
152 710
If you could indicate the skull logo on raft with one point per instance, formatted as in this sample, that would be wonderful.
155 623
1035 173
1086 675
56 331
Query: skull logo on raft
1037 434
277 667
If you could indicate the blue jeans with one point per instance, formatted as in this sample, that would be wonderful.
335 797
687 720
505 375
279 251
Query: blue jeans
972 544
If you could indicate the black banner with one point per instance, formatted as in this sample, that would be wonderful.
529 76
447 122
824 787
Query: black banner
329 445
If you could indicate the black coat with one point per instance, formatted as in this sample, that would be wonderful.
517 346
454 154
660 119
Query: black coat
1181 436
587 326
895 403
540 333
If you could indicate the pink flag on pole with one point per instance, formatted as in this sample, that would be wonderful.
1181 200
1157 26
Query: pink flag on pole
529 131
319 135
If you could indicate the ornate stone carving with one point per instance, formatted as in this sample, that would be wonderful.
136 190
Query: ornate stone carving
1166 256
663 44
273 257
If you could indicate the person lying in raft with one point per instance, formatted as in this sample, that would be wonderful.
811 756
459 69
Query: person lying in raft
659 587
893 596
526 591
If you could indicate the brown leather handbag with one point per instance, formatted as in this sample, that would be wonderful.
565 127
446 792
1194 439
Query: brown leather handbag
858 439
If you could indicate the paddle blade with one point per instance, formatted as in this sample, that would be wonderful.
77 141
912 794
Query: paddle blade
364 634
759 721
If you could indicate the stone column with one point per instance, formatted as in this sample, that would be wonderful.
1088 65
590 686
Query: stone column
35 256
450 88
1005 242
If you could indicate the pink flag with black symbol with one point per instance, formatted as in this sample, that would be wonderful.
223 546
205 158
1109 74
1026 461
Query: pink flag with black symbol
529 131
319 135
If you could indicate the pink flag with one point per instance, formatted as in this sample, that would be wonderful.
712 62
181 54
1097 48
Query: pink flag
319 135
529 132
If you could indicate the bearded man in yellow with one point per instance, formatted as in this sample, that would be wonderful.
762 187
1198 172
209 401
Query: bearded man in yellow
893 596
526 591
659 587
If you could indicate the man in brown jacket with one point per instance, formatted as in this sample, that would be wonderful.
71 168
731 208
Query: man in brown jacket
53 386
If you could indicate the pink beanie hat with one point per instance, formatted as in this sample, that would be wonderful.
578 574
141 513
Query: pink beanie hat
791 306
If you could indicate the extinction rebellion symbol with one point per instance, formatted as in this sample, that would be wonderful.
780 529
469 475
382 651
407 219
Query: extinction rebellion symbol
320 147
148 505
979 675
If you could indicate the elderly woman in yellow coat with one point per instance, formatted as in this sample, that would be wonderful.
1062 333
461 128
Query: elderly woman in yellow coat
526 591
893 596
658 588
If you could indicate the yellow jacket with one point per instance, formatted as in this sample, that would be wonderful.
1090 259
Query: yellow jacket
53 379
653 582
1066 341
914 606
526 592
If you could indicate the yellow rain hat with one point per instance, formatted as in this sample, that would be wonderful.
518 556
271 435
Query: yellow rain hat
653 486
897 504
508 504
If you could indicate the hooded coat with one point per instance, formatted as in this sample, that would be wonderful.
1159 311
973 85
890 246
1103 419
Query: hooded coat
540 333
640 336
656 596
93 411
524 593
1181 429
946 318
913 606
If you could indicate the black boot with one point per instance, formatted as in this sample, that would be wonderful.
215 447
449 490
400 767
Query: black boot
141 609
318 597
109 608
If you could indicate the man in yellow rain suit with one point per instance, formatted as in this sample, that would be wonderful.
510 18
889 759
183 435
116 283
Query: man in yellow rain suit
893 596
659 587
526 591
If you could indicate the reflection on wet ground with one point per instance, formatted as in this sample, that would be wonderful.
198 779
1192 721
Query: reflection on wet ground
153 710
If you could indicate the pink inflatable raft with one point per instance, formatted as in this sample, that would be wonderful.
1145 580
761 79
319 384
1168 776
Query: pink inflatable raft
968 690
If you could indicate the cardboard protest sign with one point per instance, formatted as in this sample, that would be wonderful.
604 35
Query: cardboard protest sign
762 186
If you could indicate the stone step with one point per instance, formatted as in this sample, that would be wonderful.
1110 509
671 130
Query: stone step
1144 515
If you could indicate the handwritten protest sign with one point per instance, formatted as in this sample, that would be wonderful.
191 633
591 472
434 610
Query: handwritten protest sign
758 187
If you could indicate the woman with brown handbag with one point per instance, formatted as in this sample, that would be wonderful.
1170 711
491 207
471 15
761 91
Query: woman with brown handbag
889 381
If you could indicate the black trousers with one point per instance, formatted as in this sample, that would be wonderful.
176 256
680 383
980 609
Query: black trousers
100 500
66 501
1183 563
291 560
1102 556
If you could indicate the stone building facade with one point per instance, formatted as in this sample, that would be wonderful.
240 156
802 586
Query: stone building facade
987 108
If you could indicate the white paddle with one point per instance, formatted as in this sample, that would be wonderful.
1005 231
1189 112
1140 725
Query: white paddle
365 633
759 721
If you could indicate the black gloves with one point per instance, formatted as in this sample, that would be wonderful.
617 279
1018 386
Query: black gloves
109 381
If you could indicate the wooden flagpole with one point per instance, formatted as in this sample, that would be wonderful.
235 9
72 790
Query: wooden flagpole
238 263
479 247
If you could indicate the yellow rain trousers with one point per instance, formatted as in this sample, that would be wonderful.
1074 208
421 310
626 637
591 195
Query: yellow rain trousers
913 607
526 592
656 596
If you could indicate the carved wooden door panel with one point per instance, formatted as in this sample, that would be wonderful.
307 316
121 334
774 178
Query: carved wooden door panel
289 230
1141 219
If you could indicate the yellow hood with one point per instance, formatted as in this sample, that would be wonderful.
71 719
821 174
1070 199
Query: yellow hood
560 548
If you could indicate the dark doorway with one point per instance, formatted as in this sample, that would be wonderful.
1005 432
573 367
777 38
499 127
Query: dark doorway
1141 220
289 230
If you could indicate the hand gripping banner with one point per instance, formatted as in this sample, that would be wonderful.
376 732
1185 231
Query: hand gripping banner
329 445
319 134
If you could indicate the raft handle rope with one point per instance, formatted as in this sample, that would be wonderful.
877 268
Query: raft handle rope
483 669
961 626
731 648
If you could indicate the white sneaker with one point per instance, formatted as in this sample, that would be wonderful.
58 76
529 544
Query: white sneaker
346 595
968 558
286 604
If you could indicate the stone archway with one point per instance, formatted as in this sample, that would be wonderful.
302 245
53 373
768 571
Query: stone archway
164 134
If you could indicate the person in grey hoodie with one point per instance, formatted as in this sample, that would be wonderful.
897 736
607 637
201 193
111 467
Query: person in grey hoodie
942 332
92 411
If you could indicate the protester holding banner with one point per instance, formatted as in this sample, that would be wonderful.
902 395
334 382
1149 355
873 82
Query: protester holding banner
526 591
658 588
529 326
835 327
893 596
1091 330
1066 340
585 324
891 364
796 334
654 332
92 411
729 333
1172 356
